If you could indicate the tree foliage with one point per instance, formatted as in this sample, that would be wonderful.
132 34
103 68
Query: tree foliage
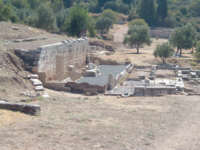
105 21
46 19
77 22
138 22
147 11
163 51
162 10
5 12
197 52
137 36
183 38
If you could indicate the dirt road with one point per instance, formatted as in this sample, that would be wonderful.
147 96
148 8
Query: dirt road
119 32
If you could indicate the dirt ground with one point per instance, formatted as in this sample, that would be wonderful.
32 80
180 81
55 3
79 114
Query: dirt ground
146 52
12 75
76 122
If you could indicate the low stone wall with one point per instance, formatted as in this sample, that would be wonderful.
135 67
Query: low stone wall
100 45
25 108
85 88
129 68
171 67
80 88
57 86
161 32
153 91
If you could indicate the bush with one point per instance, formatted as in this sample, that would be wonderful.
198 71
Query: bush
138 22
116 6
5 12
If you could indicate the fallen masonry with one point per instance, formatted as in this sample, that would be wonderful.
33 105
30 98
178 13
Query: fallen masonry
24 108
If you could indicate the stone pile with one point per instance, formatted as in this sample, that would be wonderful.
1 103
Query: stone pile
34 78
188 74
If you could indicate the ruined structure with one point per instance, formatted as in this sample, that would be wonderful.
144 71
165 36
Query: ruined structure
56 61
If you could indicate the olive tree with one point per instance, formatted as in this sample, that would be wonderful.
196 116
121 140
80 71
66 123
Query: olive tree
163 51
197 52
183 38
138 35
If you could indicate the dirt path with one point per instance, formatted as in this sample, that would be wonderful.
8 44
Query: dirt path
119 31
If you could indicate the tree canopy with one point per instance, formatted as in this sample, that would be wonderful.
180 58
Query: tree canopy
147 11
163 51
77 22
183 38
197 52
137 36
162 10
105 21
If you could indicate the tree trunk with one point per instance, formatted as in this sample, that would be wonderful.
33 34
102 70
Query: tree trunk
192 50
137 47
163 59
180 52
177 51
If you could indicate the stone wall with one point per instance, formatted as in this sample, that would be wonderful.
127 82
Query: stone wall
161 32
154 91
56 60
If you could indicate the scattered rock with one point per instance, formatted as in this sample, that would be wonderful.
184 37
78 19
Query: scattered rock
28 94
36 82
33 76
39 88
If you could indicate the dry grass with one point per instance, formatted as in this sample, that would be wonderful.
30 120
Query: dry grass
9 117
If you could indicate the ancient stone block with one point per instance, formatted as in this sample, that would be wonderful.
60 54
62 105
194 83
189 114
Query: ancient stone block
25 108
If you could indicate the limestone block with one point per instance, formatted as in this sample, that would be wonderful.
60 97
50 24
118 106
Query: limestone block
33 76
39 88
36 82
25 108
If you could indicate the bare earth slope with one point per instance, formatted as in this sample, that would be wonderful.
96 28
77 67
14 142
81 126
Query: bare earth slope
12 74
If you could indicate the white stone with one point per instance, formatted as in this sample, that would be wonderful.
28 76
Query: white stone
39 88
33 76
36 82
45 95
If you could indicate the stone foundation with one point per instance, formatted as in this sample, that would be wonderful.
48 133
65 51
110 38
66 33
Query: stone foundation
153 91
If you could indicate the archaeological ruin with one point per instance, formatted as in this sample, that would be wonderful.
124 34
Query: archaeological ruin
56 61
70 66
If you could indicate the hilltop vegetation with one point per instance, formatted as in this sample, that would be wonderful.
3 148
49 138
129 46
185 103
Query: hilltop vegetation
52 15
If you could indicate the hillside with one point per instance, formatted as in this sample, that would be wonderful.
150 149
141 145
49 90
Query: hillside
13 85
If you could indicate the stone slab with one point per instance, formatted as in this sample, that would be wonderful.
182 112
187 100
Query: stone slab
25 108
